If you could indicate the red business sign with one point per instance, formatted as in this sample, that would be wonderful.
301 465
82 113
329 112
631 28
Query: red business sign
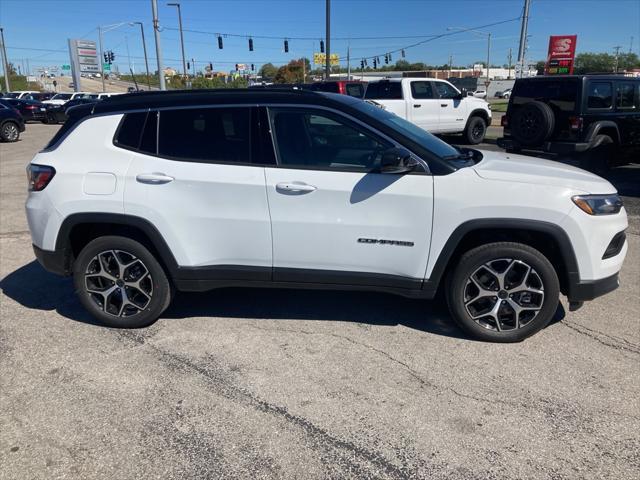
562 52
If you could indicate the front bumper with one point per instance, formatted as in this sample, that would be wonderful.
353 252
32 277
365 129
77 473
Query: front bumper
590 289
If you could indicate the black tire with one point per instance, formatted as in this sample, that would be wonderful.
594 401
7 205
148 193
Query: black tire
532 124
475 130
96 269
602 158
465 298
9 131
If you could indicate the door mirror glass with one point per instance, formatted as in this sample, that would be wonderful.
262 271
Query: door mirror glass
397 160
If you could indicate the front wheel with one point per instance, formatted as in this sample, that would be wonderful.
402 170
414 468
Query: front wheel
9 132
503 292
121 283
475 131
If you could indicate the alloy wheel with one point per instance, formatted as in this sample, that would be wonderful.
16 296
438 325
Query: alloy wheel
504 294
119 283
10 132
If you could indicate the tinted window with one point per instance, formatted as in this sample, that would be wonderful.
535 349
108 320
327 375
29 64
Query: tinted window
11 95
421 90
206 135
384 91
560 93
61 96
627 95
314 139
130 130
599 95
445 90
355 89
149 140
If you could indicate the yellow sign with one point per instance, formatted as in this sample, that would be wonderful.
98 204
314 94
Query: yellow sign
321 59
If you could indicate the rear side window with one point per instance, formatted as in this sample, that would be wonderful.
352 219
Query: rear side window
206 135
384 91
627 95
599 95
560 93
149 140
130 130
354 90
421 90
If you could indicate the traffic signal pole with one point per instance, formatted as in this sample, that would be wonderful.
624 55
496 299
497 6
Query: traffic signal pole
327 66
156 32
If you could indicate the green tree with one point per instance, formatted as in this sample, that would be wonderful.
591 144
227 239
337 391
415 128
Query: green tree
589 62
292 72
268 71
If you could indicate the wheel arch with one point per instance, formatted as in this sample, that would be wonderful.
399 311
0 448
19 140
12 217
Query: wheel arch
77 230
603 127
478 112
550 239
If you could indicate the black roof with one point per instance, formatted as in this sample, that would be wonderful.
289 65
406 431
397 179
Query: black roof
603 76
172 98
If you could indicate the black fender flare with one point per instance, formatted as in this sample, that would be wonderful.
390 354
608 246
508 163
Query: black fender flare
596 127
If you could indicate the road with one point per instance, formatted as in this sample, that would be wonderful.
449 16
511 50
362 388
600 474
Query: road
93 85
263 384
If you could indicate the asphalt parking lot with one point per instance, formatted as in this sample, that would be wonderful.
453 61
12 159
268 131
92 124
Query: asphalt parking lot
306 384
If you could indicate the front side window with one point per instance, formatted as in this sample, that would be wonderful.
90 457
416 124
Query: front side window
316 139
599 95
446 91
421 90
627 95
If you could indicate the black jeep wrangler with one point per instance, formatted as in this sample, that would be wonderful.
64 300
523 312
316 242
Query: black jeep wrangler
595 117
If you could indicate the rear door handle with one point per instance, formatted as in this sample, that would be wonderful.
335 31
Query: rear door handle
443 104
295 187
416 105
154 178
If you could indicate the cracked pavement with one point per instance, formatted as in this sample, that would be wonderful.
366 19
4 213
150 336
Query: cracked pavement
304 384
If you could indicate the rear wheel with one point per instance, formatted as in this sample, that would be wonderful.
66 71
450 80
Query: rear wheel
475 131
9 132
503 292
121 283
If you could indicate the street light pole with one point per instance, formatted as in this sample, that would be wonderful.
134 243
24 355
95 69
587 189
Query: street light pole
144 48
5 61
327 66
100 61
156 32
184 62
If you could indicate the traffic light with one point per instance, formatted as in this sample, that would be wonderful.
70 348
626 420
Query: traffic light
365 63
402 52
106 57
252 67
386 58
375 63
211 66
112 56
361 64
219 42
188 66
390 57
236 67
321 46
251 44
286 46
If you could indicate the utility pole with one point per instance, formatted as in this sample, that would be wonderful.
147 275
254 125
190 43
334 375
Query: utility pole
100 61
5 61
450 65
488 61
348 62
510 57
184 62
144 47
523 35
631 45
617 49
156 32
327 66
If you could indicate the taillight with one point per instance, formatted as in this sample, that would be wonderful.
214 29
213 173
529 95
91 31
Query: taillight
575 123
39 176
504 121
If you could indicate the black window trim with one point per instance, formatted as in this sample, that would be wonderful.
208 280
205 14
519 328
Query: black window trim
611 107
350 119
117 132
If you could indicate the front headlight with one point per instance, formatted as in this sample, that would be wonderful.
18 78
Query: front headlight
598 204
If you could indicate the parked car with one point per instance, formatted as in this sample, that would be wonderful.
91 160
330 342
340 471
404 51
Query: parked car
29 109
353 88
480 93
504 93
62 98
19 94
204 189
434 105
58 113
11 123
595 117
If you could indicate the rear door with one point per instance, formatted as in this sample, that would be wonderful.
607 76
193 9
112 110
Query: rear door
201 184
423 106
334 219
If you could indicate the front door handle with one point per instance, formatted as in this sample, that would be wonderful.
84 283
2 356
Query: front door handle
417 105
154 178
443 104
296 187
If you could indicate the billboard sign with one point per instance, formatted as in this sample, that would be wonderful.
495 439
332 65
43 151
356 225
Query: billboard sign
561 55
84 59
321 59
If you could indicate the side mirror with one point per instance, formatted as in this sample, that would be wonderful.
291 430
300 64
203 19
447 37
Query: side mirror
397 160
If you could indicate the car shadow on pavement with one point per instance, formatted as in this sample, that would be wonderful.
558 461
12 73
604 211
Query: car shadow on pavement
34 288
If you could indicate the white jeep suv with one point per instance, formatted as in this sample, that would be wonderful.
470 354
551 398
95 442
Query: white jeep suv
161 191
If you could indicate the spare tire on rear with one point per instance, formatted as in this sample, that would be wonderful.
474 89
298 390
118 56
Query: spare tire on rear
532 124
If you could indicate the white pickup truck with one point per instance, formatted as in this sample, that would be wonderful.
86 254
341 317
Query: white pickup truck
434 105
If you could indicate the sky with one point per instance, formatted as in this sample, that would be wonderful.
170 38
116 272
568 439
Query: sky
38 30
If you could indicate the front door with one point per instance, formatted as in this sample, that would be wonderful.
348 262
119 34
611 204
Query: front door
453 112
336 221
424 107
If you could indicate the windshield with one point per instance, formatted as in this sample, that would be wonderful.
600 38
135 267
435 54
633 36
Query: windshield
409 130
61 96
